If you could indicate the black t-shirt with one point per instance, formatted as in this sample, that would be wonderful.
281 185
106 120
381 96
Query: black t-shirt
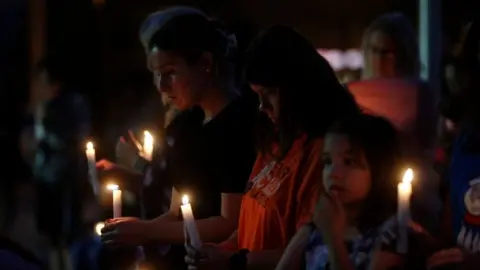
208 159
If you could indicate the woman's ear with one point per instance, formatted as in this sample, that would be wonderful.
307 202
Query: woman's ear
206 62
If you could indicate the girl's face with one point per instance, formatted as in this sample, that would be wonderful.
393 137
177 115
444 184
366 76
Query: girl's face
380 55
269 101
179 82
345 171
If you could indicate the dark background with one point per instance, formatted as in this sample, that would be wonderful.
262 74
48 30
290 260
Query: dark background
99 39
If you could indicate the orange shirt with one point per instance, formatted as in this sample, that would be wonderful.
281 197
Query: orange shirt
282 196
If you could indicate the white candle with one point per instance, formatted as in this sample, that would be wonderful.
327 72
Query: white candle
403 214
189 223
92 167
147 145
117 200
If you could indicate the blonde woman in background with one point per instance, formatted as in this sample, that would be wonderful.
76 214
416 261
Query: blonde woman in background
391 87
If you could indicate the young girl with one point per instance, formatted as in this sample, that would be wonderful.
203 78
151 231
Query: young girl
354 227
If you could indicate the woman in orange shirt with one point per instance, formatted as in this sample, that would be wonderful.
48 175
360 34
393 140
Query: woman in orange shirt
301 96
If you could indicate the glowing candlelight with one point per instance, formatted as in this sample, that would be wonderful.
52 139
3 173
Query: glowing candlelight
98 228
147 145
92 168
403 214
117 200
189 223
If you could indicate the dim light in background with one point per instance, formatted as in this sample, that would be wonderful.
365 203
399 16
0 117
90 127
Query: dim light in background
339 60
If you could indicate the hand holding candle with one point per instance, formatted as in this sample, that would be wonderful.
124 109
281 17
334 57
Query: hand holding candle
189 223
403 214
92 167
117 200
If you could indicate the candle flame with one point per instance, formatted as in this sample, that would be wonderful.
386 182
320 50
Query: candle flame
148 138
112 187
408 176
98 228
185 199
89 146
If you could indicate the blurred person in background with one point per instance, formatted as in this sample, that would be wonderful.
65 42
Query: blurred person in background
391 87
53 144
461 211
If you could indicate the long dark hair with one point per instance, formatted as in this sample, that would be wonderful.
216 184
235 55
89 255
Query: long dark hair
187 32
378 141
311 96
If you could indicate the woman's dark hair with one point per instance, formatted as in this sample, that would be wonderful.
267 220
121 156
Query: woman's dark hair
378 141
311 97
189 34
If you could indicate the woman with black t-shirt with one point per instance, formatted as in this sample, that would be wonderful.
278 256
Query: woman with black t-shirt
211 149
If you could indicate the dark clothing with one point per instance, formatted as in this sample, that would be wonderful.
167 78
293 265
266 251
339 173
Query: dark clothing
13 256
203 161
213 158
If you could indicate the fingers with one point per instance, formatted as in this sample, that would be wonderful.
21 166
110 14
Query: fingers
189 260
446 256
134 140
335 200
103 164
191 251
109 237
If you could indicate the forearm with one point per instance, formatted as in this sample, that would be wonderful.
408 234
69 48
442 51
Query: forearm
293 257
338 255
213 230
263 260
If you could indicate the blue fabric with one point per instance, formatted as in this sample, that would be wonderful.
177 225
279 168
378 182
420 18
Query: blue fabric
360 248
13 261
464 188
84 253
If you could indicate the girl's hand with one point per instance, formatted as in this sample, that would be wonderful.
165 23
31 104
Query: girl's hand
330 217
209 257
445 256
124 231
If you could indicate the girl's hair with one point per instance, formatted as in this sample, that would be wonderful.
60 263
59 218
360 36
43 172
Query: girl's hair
397 27
311 97
188 33
378 141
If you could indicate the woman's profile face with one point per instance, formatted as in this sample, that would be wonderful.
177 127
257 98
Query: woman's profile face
183 84
269 101
380 55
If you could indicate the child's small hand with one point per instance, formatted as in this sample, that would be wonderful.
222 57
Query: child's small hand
330 217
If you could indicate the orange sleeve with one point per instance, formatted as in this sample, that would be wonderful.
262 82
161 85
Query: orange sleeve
311 184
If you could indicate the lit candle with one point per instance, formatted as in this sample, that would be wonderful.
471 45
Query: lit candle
147 145
92 168
403 214
117 200
189 223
